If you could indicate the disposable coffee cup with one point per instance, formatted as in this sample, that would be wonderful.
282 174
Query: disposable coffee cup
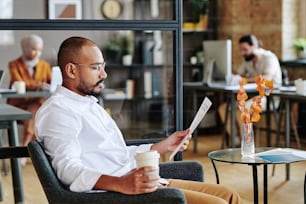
149 158
19 86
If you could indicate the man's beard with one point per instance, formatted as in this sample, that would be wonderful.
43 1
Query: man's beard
91 91
249 57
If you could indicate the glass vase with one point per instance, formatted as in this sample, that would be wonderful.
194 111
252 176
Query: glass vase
247 139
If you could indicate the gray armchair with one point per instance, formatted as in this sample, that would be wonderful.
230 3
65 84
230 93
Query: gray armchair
56 192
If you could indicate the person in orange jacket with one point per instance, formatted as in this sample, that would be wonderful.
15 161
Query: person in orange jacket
36 73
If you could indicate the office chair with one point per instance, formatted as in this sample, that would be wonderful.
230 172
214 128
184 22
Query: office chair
56 192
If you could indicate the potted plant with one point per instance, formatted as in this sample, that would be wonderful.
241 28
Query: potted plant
200 12
127 46
113 49
300 46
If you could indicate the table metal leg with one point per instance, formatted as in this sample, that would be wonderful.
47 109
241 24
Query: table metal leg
255 181
280 117
233 119
216 171
16 169
268 121
255 184
288 135
265 177
225 138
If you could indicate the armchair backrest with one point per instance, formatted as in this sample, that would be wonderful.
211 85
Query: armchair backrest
52 186
56 192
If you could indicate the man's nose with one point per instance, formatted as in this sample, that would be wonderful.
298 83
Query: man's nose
103 74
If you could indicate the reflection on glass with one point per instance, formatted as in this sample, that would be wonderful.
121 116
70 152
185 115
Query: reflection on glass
138 96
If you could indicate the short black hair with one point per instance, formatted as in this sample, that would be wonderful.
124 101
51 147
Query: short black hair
69 49
250 39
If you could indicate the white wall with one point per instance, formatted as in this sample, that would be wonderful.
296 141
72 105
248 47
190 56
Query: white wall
289 29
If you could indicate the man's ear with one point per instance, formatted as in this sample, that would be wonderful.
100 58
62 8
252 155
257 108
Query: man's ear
70 70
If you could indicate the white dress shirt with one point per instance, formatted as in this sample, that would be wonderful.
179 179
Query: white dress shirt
82 140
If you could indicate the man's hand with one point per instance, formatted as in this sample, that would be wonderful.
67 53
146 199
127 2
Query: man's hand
170 143
138 182
135 182
34 85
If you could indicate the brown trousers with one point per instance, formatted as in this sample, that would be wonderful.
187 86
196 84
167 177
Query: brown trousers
200 193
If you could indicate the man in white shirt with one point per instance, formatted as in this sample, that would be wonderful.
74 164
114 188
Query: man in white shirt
85 145
257 62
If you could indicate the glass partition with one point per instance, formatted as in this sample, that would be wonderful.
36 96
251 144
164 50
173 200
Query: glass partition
139 92
144 95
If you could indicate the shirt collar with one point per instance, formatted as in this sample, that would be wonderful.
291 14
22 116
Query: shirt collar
86 99
260 52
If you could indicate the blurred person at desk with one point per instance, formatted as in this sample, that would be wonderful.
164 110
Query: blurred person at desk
36 73
257 61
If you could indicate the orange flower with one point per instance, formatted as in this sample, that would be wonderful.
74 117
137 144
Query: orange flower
264 88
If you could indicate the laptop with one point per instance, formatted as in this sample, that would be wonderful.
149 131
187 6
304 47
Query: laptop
4 90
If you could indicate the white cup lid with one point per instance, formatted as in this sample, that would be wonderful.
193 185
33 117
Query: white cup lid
146 155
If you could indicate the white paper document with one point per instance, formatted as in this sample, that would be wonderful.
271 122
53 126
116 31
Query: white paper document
196 121
282 155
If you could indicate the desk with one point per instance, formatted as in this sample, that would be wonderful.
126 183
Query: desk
8 120
233 155
195 87
294 63
28 94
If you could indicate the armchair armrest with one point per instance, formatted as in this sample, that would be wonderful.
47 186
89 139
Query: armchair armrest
160 196
186 170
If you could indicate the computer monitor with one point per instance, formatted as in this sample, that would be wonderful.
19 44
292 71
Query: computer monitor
221 52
